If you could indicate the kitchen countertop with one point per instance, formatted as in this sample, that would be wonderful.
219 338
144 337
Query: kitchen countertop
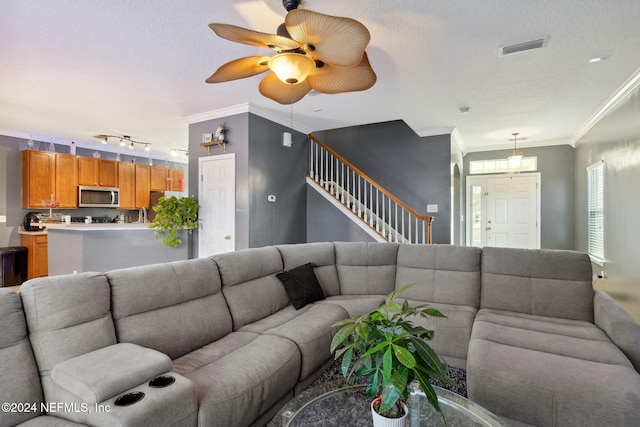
98 227
21 230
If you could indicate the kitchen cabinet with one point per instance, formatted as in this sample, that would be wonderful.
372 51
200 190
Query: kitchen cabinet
37 253
159 178
176 179
38 178
143 185
97 172
127 184
66 180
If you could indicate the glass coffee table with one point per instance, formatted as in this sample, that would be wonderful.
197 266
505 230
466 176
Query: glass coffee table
350 407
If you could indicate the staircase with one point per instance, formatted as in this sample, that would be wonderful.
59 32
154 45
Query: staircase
373 208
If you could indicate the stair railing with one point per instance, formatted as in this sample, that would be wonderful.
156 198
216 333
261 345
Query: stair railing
372 203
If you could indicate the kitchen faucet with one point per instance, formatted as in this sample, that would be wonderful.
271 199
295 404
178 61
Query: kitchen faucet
142 215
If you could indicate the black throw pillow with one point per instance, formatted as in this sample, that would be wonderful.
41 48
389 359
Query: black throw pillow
301 285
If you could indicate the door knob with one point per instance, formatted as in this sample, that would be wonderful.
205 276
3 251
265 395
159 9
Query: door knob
488 228
227 237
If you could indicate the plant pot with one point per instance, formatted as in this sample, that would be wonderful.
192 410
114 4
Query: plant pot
380 421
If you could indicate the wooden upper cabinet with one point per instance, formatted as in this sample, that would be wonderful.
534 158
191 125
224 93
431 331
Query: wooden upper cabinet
127 184
159 178
97 172
108 173
38 178
176 179
88 171
66 181
143 186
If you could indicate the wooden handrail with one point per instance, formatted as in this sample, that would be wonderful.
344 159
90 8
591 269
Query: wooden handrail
427 218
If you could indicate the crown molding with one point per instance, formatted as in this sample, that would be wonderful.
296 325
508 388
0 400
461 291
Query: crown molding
278 118
435 131
248 107
216 114
621 94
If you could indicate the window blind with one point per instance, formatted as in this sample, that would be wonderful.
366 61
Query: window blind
595 210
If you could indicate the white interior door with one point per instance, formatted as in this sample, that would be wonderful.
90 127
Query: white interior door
217 198
504 211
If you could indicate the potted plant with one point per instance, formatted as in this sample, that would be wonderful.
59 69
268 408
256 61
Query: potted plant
173 215
393 351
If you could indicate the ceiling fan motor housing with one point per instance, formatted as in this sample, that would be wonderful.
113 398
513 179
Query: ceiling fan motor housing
290 4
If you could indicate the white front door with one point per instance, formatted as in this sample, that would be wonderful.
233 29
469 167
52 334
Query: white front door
504 211
217 198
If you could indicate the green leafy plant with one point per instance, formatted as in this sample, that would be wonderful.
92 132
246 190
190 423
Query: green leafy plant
393 351
174 214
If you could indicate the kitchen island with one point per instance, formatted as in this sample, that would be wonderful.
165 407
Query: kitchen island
77 248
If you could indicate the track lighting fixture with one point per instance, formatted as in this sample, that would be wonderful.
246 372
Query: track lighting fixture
124 141
174 152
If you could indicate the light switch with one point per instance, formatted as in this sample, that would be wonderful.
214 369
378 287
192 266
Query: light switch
3 218
271 198
432 208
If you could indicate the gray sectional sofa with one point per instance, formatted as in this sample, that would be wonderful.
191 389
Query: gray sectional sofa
217 342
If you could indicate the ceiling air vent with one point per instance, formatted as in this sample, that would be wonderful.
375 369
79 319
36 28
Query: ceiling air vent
521 47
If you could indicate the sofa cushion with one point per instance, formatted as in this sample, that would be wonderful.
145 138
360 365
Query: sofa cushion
366 268
174 308
250 285
547 371
311 331
67 316
19 378
322 255
552 283
301 285
240 377
355 305
445 274
451 333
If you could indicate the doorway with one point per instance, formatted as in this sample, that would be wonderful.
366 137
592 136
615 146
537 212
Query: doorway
217 198
504 211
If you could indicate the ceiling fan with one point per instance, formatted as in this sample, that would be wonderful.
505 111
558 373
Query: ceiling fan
314 51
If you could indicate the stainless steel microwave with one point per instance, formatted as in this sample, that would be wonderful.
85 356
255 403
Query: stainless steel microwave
98 197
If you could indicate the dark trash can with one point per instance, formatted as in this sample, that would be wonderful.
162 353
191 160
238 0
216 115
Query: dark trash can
14 265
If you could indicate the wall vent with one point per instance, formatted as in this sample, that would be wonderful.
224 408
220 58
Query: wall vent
522 47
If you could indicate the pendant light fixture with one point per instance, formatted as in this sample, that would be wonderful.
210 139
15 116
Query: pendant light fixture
515 160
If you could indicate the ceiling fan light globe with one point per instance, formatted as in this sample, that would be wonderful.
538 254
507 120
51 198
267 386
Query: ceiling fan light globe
291 68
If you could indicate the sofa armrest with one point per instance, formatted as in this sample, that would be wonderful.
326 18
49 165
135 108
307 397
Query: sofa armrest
619 326
104 373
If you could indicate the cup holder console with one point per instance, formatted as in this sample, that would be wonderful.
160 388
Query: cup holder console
129 398
162 381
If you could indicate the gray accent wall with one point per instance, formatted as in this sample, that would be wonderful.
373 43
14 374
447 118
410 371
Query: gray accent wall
263 167
615 139
556 168
327 224
415 169
279 171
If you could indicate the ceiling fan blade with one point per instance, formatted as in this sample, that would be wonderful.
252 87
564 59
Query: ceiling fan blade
240 68
283 93
336 79
255 38
331 39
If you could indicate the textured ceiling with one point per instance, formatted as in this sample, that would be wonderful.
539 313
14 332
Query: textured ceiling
72 69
